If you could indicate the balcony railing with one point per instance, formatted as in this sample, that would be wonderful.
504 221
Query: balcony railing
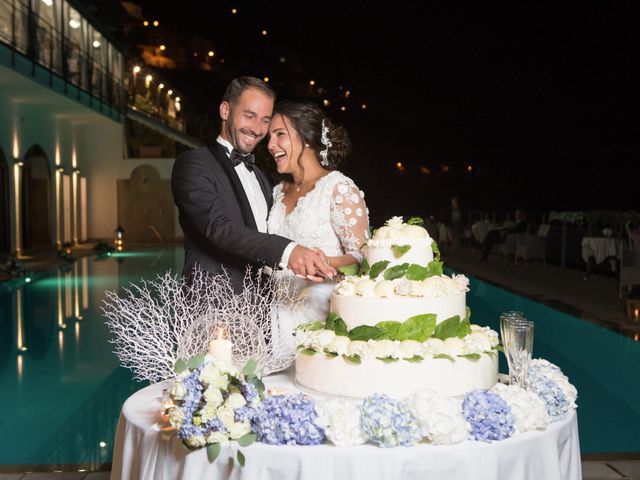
54 36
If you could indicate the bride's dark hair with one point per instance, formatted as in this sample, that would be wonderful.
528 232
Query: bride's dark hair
307 119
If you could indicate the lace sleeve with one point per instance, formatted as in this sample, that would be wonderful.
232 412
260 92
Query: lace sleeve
350 217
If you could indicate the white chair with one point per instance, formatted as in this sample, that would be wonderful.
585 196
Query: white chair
507 249
529 247
479 231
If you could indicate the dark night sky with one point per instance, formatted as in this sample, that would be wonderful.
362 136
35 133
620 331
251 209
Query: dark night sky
538 98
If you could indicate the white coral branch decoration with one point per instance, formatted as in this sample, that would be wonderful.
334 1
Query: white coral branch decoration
160 321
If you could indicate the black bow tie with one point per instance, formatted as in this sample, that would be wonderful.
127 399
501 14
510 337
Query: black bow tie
237 158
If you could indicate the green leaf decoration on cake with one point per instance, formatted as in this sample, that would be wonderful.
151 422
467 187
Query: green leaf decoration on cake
415 221
389 360
364 268
349 270
436 251
415 359
465 325
353 358
447 328
389 329
434 268
213 451
365 332
417 272
491 353
308 351
180 366
378 267
471 356
331 354
195 361
418 327
312 326
399 250
335 323
397 271
445 356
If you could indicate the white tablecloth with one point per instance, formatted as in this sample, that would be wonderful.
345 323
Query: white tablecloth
143 451
600 248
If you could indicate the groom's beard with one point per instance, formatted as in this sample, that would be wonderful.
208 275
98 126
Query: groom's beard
234 137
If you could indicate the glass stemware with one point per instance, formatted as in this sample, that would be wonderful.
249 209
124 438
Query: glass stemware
517 340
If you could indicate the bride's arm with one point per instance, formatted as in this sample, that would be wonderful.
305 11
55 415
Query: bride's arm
350 221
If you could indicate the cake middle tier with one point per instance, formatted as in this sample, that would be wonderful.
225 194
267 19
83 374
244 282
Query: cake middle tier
356 310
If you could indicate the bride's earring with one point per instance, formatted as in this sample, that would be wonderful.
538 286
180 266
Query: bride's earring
306 145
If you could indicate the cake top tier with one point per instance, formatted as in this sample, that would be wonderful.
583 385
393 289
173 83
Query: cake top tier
400 242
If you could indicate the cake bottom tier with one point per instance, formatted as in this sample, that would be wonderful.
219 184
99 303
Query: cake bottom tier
336 376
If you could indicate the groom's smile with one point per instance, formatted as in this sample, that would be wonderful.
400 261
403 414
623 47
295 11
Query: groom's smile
246 120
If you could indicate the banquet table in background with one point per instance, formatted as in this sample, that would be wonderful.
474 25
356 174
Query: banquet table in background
596 250
143 450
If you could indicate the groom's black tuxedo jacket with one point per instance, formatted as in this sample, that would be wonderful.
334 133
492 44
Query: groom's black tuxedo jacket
216 217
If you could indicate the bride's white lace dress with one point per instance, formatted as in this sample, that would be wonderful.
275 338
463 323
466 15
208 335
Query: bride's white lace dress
332 217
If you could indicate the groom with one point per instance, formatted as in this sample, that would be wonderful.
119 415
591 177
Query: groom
223 199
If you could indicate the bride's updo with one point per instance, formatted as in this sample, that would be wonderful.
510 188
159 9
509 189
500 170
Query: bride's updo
310 121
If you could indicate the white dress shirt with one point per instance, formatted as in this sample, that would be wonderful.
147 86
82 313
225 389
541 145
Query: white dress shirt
256 199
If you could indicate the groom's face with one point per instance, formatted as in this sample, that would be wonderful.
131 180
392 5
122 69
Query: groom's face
246 120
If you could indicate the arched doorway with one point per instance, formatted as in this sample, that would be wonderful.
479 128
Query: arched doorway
5 205
36 200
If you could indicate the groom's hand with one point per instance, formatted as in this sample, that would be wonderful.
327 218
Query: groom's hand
311 264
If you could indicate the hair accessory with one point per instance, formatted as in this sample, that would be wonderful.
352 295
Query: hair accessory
327 143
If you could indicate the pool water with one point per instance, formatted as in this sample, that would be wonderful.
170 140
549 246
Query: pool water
62 387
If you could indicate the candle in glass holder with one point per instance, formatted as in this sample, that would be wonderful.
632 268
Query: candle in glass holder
220 347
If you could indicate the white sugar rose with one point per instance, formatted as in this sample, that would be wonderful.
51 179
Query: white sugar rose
338 345
454 346
322 339
346 287
416 288
395 222
197 441
439 286
235 400
477 342
303 338
529 410
217 437
358 347
433 346
178 390
213 396
222 382
239 429
365 287
439 418
385 288
384 348
462 281
340 419
402 286
411 348
490 334
209 411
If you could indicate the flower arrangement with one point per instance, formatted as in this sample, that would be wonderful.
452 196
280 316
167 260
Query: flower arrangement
387 422
548 382
488 415
214 403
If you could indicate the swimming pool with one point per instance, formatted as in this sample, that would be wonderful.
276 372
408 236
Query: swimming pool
62 387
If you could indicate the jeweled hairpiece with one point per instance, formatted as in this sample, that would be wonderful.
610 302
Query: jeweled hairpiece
327 143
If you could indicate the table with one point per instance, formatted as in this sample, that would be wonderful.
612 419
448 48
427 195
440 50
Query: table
143 451
596 250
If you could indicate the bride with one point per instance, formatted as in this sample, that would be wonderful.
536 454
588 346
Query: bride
317 207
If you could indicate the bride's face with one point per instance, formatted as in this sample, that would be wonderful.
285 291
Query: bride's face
285 144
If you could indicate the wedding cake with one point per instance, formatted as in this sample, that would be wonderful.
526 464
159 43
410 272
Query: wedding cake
397 325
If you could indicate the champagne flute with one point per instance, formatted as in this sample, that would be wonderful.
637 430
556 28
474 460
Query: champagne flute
518 347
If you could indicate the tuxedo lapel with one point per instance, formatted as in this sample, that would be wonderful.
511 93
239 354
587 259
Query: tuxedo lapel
219 154
265 186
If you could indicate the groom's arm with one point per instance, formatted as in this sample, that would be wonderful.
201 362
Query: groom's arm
203 210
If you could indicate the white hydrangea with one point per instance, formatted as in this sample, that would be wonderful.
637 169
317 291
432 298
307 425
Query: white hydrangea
434 346
402 286
440 286
477 342
492 335
554 373
395 222
454 346
529 410
358 347
321 339
346 287
417 288
384 348
462 281
385 289
411 348
340 419
365 287
439 418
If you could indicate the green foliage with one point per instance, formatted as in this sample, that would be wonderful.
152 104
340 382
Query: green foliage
213 451
436 251
336 324
397 271
349 270
415 221
365 332
418 327
180 366
399 250
378 267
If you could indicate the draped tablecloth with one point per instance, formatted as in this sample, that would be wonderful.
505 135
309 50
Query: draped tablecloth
600 248
143 450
